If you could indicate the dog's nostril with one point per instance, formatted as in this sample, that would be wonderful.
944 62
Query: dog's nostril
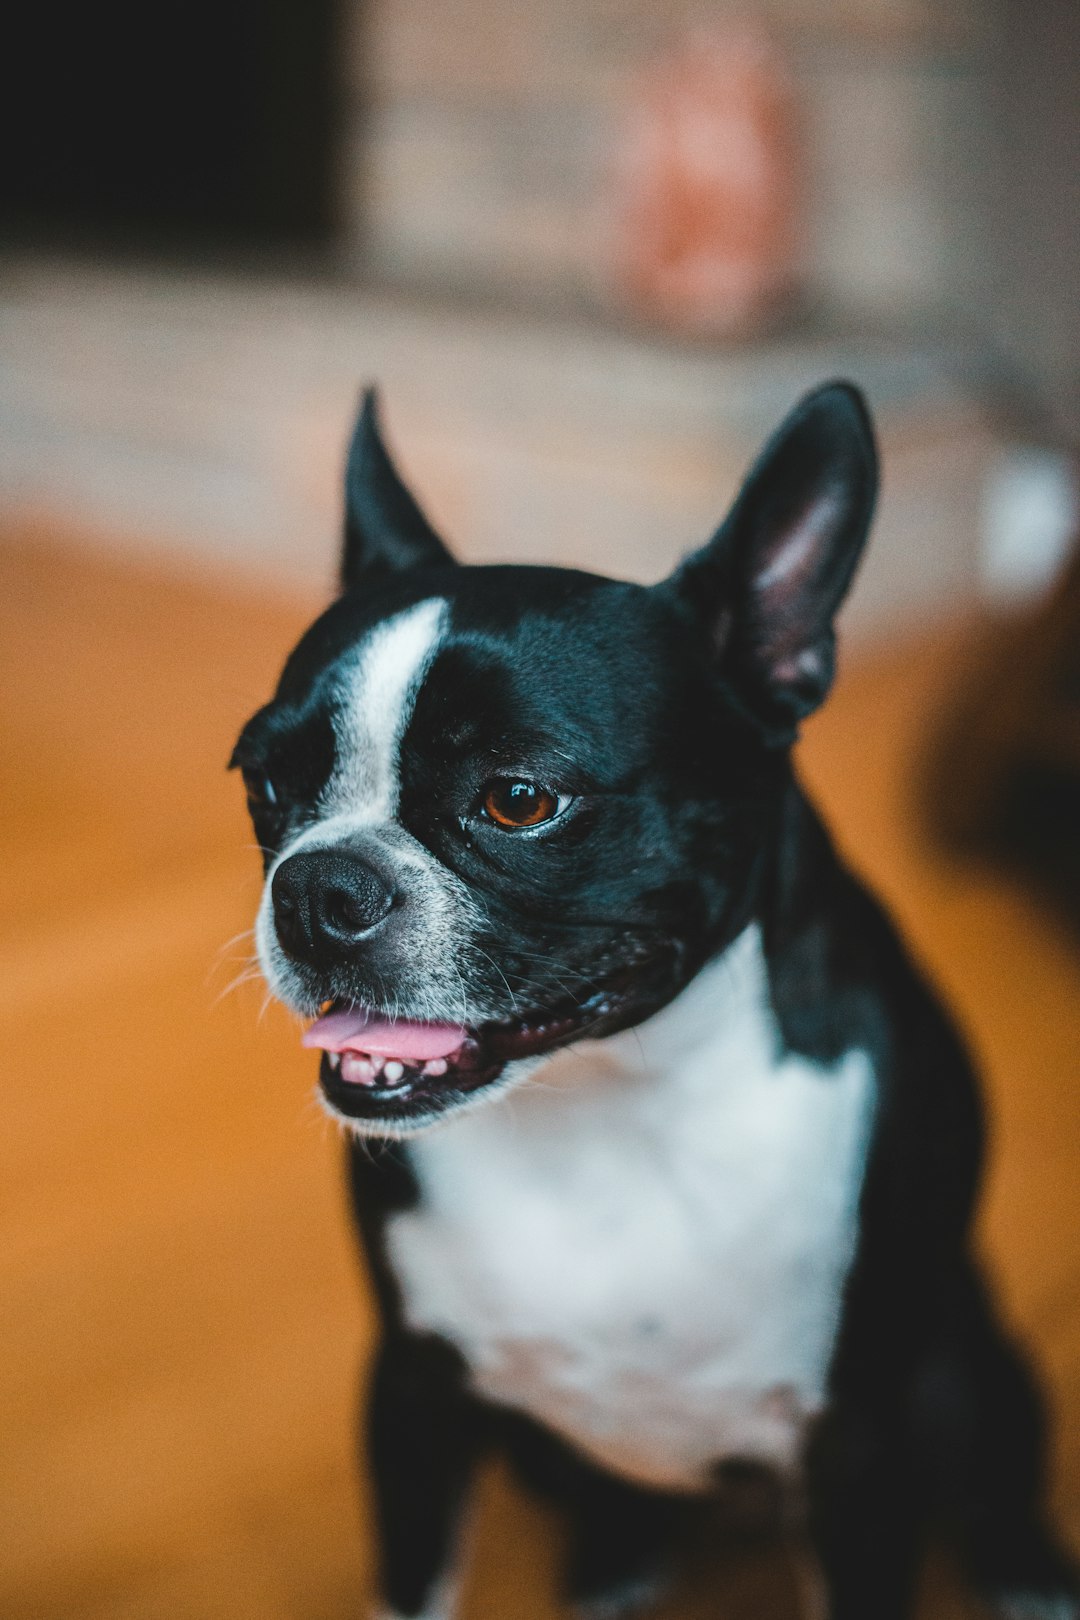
292 919
346 913
350 902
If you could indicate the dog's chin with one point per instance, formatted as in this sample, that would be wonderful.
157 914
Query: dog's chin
399 1099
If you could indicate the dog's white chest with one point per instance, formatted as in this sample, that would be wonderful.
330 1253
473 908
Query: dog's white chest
645 1245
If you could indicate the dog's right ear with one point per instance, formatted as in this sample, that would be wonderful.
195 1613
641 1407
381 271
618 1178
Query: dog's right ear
385 530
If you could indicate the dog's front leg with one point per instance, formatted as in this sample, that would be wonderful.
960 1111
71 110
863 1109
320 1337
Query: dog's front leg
865 1519
421 1442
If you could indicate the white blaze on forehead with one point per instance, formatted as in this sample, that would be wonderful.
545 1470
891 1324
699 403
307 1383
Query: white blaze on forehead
378 689
375 694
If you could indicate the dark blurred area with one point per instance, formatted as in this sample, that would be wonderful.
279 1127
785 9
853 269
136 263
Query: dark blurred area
198 125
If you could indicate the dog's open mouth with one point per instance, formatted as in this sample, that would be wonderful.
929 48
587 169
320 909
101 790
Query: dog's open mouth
379 1068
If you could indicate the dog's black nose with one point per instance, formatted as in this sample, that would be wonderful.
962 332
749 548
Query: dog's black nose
325 902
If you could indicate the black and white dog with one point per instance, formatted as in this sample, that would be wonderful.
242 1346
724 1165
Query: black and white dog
662 1153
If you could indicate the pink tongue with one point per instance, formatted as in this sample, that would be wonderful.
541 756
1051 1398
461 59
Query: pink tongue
352 1029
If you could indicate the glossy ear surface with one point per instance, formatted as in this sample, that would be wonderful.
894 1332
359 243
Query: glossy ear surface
385 530
767 586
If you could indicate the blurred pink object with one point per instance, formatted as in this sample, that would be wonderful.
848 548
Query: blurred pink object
708 224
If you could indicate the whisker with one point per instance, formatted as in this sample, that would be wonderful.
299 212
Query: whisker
245 933
247 975
501 974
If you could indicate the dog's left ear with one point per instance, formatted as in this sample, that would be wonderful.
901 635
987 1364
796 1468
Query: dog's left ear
767 586
385 530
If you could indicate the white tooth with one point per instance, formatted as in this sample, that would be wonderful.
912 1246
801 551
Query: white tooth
376 1062
393 1070
435 1066
335 1059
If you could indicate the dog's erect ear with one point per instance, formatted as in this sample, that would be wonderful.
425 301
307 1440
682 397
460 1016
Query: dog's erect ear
385 530
768 584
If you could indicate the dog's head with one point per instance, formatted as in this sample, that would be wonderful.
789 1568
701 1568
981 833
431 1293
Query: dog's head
506 808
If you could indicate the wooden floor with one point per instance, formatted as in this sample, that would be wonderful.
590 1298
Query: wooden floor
182 1316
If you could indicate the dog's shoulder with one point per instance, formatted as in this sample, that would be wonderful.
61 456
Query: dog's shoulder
841 974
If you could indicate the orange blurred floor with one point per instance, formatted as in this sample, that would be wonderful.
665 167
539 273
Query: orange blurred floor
182 1316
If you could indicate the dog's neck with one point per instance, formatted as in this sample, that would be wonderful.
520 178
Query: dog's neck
729 992
716 1031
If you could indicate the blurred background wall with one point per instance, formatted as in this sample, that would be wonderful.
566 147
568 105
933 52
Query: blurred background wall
222 218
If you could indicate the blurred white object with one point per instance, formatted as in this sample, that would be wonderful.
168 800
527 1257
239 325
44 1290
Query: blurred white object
1031 513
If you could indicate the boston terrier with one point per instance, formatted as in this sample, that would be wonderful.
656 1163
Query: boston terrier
662 1153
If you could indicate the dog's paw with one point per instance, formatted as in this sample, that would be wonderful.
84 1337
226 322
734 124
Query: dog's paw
1037 1606
383 1613
630 1599
440 1605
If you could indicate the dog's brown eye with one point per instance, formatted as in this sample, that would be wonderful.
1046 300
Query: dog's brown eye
510 803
